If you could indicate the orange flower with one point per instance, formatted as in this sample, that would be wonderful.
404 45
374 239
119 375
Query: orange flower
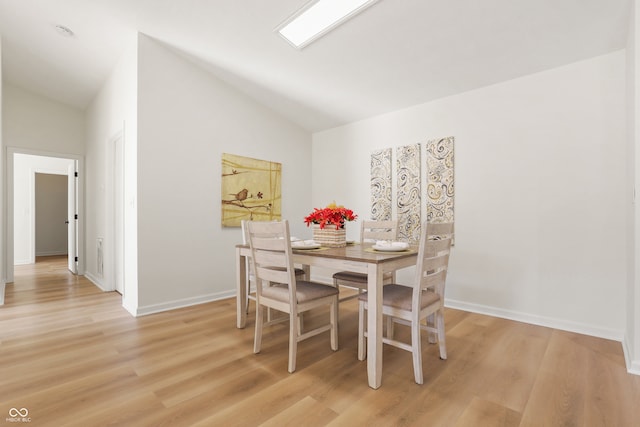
331 215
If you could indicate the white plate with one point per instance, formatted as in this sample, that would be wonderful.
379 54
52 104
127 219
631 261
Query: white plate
305 246
389 248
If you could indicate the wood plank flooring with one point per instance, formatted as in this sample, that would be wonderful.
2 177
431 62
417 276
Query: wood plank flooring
72 356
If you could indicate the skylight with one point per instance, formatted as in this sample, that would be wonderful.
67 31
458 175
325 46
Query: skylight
318 18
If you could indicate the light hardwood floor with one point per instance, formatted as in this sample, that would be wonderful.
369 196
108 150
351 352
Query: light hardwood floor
71 355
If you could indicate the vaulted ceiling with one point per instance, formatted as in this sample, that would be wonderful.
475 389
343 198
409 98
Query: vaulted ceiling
395 54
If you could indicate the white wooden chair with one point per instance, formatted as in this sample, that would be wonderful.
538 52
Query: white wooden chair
273 264
251 278
412 304
369 231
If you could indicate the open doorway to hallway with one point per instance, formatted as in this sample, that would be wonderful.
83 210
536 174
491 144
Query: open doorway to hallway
44 205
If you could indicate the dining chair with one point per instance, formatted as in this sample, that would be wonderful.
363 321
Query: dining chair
412 304
271 253
370 230
300 274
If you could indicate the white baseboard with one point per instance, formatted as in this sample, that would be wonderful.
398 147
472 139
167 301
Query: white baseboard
52 253
131 309
96 281
170 305
561 324
2 286
549 322
633 366
186 302
22 262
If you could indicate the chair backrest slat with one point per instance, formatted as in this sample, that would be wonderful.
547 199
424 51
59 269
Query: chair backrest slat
270 258
269 274
439 230
435 263
268 243
438 247
434 280
378 230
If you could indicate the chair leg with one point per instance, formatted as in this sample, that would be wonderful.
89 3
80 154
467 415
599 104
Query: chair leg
293 340
362 348
248 287
416 349
257 340
390 327
300 323
334 324
431 322
441 338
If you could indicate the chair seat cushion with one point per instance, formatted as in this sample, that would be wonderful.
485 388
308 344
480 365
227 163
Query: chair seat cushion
399 296
349 276
306 291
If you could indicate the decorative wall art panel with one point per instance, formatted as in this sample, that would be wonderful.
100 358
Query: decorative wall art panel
251 190
437 173
381 185
440 183
408 192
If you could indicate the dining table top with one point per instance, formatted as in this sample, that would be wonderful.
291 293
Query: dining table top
354 252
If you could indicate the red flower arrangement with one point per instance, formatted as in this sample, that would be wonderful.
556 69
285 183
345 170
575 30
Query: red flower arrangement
331 215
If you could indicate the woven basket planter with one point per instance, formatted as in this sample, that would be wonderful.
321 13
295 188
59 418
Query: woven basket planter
329 236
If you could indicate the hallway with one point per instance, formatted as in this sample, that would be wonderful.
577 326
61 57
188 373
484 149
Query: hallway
49 279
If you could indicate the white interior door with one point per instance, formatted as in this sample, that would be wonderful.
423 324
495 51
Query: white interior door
72 217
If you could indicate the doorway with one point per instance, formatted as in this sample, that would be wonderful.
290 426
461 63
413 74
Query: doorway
24 168
51 215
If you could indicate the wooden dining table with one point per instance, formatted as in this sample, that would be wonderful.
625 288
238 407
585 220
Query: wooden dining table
359 258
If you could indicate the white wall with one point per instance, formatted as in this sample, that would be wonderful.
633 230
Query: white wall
25 167
113 112
187 119
632 337
540 191
3 203
37 123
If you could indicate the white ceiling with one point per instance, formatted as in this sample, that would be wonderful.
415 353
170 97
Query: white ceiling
395 54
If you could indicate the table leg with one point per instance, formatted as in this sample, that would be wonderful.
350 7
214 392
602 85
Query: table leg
374 327
241 289
307 271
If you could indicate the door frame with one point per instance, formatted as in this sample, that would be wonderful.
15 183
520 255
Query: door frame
115 216
72 217
9 241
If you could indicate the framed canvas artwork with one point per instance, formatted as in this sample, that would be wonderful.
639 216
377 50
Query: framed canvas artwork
251 190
